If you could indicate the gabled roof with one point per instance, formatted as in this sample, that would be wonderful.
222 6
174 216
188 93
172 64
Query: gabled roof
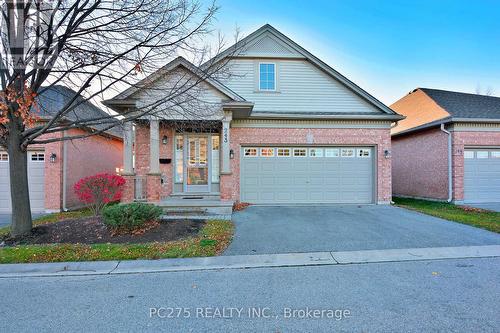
426 108
52 99
124 97
248 40
464 105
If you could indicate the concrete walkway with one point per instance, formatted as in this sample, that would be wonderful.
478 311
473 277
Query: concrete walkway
246 261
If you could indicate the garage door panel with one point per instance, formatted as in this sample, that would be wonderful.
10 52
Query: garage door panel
481 176
307 179
36 183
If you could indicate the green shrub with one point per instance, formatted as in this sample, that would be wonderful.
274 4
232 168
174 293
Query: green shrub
130 216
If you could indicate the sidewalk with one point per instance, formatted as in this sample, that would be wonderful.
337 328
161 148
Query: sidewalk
245 261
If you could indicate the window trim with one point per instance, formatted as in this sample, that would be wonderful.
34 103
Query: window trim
305 152
364 149
316 149
266 148
37 159
495 154
256 152
473 154
333 149
275 76
286 149
353 154
482 151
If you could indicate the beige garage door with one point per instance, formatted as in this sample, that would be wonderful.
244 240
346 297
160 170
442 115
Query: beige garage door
281 175
36 178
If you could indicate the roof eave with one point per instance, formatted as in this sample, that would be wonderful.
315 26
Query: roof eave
387 117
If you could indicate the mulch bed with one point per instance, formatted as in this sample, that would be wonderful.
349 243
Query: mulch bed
91 230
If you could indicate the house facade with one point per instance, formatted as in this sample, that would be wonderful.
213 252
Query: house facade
288 129
55 167
448 147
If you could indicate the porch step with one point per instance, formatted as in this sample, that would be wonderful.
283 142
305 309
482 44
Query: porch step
196 206
194 216
195 196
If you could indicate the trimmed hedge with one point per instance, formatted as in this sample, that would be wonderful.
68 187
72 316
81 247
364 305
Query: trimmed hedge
130 216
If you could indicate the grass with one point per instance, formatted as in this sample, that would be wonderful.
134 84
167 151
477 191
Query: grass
475 217
213 238
54 217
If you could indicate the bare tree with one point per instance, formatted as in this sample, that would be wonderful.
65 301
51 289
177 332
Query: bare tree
487 92
96 47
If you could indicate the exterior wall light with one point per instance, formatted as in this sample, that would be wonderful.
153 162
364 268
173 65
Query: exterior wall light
53 157
387 153
164 140
231 154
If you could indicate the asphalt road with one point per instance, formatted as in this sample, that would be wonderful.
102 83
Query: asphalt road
426 296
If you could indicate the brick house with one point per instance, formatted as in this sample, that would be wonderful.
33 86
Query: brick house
54 168
448 147
288 129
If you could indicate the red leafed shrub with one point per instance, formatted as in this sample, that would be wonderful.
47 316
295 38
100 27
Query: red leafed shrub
99 190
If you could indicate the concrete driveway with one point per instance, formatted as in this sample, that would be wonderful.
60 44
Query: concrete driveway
494 206
285 229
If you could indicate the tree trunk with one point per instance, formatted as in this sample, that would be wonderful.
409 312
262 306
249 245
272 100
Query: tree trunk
19 192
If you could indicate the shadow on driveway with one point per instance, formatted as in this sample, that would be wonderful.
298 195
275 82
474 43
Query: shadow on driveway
285 229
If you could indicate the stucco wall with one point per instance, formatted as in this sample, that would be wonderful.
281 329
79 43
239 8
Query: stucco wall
420 165
230 184
87 157
462 139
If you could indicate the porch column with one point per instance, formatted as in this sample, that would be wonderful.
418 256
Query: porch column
226 142
154 146
128 142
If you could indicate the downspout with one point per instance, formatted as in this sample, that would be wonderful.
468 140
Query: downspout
64 167
450 177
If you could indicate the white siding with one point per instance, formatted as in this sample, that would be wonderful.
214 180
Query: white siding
302 87
201 100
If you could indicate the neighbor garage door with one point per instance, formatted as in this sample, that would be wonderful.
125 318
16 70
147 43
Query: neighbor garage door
482 175
36 178
307 175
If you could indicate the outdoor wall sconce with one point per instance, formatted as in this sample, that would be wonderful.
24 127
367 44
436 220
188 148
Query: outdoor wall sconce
387 153
231 154
53 157
164 140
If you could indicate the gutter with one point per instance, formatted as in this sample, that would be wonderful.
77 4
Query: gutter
450 177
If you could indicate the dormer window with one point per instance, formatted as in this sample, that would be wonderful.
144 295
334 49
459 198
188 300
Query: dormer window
267 76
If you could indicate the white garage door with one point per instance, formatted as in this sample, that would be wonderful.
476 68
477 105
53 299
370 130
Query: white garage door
307 175
36 178
482 175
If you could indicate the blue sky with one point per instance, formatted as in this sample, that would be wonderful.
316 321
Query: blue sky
386 47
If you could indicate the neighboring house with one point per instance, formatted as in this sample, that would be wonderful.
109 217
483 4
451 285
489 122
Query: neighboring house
290 130
448 147
54 168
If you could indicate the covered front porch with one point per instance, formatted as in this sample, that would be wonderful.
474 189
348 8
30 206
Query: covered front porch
177 165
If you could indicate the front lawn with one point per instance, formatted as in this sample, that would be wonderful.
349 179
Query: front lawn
211 240
472 216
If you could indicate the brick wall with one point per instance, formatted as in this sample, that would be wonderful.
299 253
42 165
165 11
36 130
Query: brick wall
142 158
230 184
87 157
420 165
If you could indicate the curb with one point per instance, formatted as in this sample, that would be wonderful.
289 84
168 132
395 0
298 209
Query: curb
245 261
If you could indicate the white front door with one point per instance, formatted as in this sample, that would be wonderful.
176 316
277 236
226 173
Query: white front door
197 177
